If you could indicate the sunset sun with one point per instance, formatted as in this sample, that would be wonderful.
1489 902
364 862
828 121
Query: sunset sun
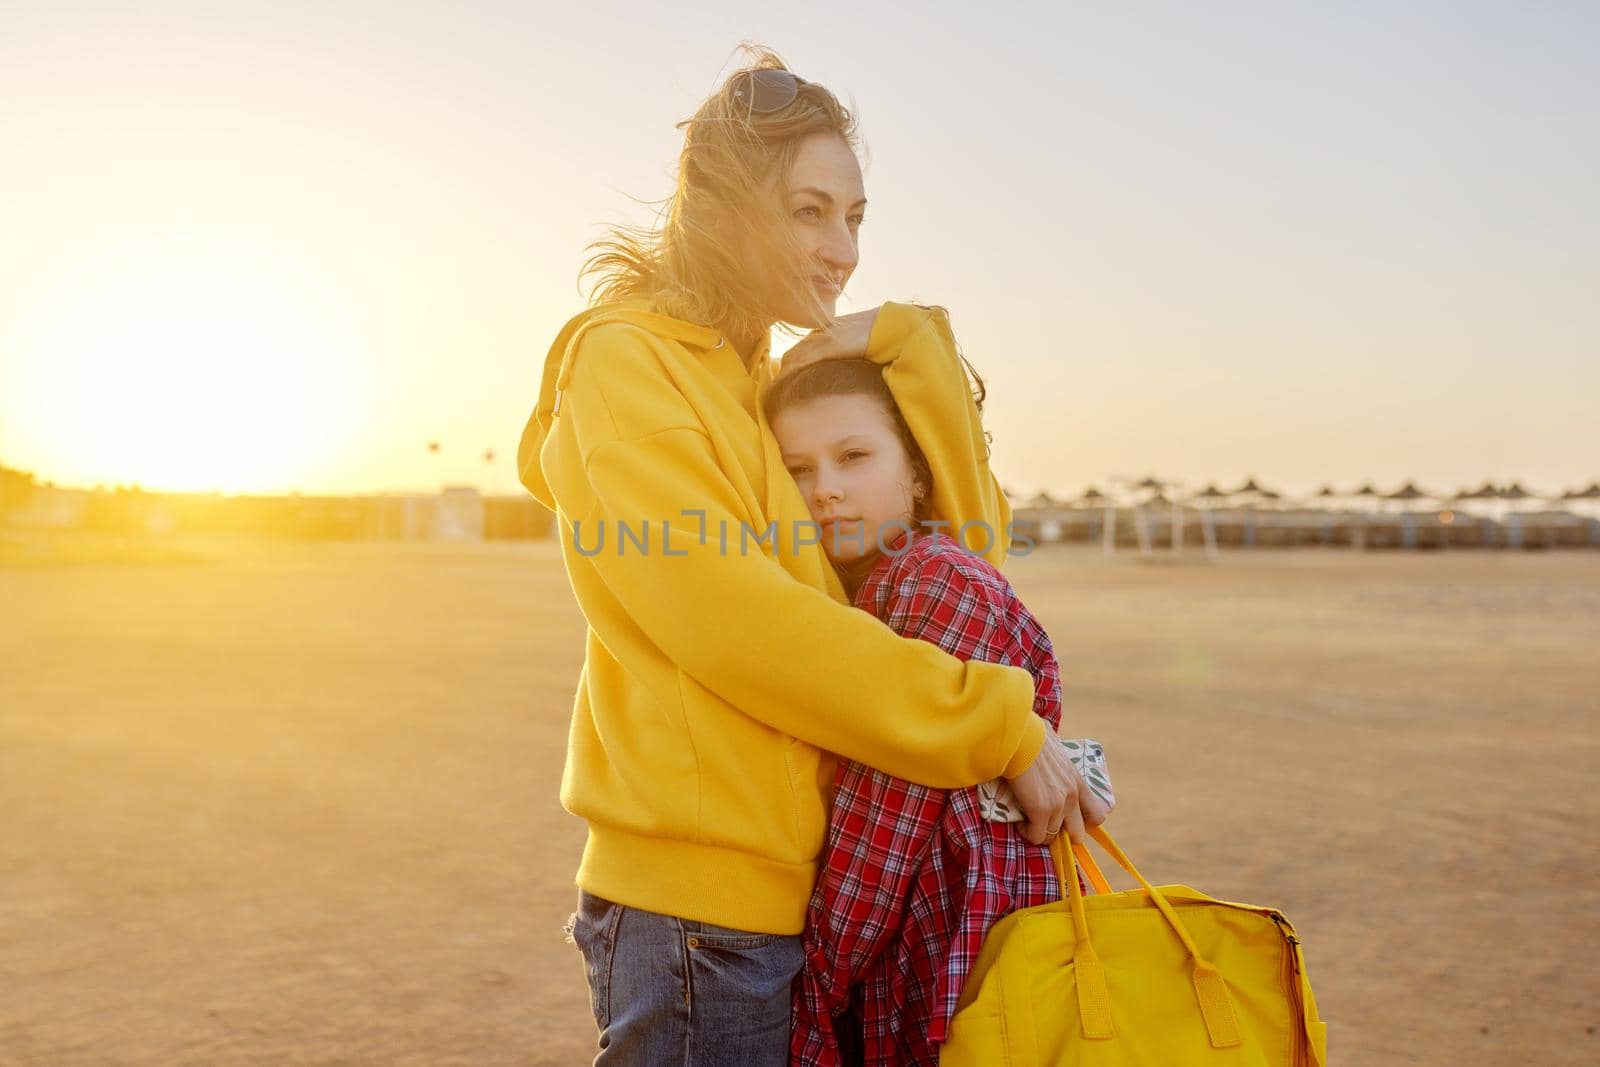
190 381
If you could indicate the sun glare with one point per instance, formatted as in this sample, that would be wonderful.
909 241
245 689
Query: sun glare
191 381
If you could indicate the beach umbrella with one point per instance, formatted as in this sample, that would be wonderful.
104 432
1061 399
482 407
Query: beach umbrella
1205 500
1144 490
1483 502
1328 499
1584 502
1409 491
1509 505
1409 498
1486 493
1252 493
1253 490
1041 499
1362 501
1108 518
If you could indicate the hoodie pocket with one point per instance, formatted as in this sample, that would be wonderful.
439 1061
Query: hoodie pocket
809 795
757 793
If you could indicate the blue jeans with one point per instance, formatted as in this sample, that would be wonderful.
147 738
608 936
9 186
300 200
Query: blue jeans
670 992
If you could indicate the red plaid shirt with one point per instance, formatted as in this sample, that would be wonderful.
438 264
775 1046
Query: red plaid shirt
913 878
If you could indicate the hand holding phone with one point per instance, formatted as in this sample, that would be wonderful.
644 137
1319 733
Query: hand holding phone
997 803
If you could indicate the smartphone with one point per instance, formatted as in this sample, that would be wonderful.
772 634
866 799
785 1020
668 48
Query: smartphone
997 803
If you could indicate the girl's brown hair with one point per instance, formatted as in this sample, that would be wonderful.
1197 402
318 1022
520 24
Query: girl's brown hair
854 377
692 265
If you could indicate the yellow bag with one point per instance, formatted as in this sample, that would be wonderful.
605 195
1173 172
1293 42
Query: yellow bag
1170 977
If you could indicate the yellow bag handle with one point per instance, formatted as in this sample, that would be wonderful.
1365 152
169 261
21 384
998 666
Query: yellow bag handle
1091 868
1094 1000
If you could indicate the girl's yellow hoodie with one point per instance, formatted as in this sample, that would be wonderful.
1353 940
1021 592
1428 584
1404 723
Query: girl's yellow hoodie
723 661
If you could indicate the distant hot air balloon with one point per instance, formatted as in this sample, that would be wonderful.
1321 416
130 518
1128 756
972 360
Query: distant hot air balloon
488 455
433 446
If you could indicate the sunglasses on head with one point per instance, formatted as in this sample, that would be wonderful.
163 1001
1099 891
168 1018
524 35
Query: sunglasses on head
768 90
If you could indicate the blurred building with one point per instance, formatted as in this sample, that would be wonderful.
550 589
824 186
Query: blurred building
456 513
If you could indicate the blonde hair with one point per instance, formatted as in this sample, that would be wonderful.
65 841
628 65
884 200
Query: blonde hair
693 264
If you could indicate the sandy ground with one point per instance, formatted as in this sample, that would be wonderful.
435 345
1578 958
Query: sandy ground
298 805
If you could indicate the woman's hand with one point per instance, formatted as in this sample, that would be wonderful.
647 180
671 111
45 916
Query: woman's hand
1095 811
845 337
1054 797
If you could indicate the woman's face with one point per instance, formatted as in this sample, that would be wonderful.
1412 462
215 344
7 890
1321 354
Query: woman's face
844 454
825 203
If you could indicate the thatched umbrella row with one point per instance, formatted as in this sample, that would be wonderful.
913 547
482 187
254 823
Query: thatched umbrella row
1251 489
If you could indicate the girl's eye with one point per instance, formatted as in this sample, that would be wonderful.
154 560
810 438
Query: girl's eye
857 220
816 211
853 453
797 471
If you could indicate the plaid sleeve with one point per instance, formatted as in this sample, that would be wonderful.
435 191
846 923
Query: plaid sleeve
936 602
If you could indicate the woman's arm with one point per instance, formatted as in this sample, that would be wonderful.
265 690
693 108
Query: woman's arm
917 351
736 621
923 369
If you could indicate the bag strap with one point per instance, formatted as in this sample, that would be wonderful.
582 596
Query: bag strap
1094 1000
1092 869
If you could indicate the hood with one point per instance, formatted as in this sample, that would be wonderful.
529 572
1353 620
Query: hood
558 365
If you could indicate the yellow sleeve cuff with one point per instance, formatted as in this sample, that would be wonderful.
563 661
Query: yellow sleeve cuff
1032 744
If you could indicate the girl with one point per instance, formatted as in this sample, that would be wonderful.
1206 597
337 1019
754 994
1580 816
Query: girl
722 659
912 877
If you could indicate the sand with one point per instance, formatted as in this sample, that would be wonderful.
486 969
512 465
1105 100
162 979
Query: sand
298 805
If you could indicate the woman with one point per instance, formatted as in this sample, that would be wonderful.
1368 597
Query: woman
723 661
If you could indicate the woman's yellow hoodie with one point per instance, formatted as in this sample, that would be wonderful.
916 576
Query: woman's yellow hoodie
723 661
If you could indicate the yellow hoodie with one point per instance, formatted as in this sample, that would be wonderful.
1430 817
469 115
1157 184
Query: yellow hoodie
723 662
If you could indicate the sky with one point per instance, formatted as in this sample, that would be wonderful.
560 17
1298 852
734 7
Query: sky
271 247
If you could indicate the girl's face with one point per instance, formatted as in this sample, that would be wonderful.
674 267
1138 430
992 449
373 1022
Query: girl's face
846 457
825 203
